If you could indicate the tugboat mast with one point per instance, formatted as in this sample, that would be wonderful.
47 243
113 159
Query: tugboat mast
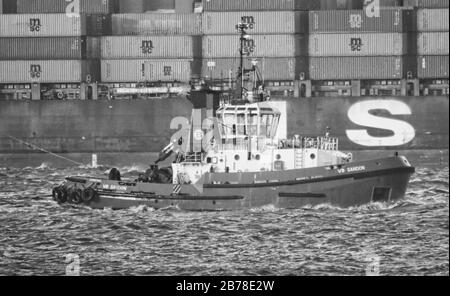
241 27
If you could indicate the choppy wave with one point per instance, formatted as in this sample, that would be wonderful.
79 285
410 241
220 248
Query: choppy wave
39 237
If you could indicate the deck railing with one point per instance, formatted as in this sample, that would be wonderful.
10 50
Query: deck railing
193 157
321 143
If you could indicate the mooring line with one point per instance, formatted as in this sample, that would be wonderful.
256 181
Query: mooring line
43 150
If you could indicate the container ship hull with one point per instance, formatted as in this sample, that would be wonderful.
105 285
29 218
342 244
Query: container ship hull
119 128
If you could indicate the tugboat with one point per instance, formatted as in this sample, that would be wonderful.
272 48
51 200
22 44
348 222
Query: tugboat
229 158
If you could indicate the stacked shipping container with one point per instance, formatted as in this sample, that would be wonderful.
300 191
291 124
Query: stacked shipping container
432 43
44 38
48 71
153 47
141 6
287 42
426 3
349 44
357 21
53 43
277 37
64 6
157 24
140 70
263 5
56 48
8 6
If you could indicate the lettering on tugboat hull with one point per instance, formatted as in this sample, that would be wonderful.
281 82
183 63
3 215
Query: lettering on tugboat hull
114 187
352 169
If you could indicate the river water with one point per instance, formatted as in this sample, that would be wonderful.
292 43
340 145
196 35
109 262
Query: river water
39 237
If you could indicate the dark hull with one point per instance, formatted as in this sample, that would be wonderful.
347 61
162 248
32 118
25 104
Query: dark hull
288 189
142 126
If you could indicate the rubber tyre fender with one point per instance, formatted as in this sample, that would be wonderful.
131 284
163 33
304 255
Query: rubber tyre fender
55 193
61 195
89 194
76 196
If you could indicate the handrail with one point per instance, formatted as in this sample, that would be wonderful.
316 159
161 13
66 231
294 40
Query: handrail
321 143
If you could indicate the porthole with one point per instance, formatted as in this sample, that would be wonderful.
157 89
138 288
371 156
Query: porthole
278 157
236 157
258 157
312 156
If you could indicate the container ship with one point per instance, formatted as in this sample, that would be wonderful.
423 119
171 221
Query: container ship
108 77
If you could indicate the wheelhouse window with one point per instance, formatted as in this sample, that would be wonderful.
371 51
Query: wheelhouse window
252 120
241 128
239 122
229 121
266 124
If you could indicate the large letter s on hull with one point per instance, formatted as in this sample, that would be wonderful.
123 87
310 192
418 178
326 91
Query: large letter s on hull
359 114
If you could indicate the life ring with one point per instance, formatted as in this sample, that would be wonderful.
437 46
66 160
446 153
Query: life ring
76 196
60 95
89 194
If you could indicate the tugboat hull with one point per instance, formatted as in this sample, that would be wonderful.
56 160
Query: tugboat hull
383 180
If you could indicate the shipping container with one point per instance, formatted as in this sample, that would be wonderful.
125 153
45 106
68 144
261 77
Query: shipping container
41 25
157 24
340 4
260 22
55 48
347 21
98 25
267 5
66 6
433 43
227 46
378 44
151 47
144 70
340 68
386 3
429 20
433 66
163 5
46 71
426 3
131 6
184 6
52 25
8 6
275 69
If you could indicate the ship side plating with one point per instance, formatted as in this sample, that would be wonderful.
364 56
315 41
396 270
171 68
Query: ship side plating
109 76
